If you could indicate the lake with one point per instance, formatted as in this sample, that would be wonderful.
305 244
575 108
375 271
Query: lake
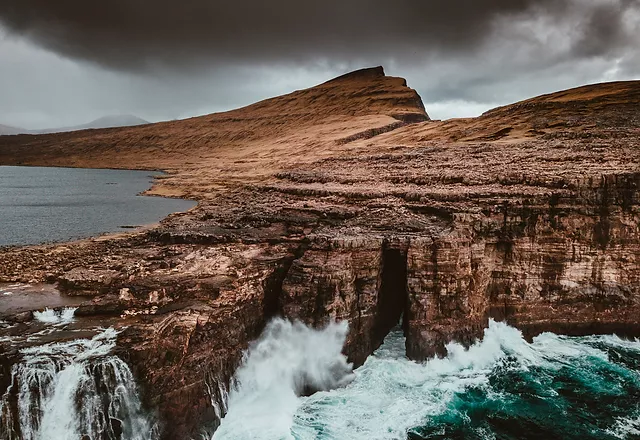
39 205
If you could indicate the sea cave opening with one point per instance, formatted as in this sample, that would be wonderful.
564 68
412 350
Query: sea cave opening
393 293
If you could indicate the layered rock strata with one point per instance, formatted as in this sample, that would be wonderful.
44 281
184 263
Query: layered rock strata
345 202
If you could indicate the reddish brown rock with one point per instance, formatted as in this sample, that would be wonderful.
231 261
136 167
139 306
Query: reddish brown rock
344 201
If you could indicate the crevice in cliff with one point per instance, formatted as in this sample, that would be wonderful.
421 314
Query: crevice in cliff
393 296
272 305
602 229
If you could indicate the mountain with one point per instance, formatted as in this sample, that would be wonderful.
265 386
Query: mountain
278 130
110 121
345 202
8 130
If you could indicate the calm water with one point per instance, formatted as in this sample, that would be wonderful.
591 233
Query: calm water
40 205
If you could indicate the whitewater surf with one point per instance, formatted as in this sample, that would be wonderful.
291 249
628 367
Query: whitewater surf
295 383
502 387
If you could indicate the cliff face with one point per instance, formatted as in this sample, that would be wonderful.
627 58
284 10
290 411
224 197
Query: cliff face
528 214
566 263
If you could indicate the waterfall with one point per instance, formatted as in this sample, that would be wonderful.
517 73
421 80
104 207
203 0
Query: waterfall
74 390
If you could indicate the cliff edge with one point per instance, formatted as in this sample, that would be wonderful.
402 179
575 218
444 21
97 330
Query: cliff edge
345 202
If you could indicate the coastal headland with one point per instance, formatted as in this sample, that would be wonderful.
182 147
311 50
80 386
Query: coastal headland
345 201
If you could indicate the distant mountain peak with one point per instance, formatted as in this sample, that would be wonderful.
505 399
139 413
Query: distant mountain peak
109 121
9 130
116 121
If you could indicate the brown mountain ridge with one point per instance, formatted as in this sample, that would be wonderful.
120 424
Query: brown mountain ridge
266 133
345 202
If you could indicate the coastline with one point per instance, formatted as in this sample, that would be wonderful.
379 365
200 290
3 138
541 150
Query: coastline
517 216
153 185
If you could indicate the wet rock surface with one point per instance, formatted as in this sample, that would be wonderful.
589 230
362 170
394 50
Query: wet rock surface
442 225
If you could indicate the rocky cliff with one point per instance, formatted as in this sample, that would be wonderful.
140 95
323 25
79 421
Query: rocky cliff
345 202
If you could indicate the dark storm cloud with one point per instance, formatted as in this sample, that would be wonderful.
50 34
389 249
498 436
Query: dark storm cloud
604 29
65 62
134 34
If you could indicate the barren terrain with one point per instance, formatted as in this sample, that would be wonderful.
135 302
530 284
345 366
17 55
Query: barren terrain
344 201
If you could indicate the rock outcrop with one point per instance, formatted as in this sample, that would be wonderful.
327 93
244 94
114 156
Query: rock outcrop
345 202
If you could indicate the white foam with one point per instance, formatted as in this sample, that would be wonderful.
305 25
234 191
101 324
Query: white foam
67 314
614 341
69 389
626 427
390 394
57 317
287 358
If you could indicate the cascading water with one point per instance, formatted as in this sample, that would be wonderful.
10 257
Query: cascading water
502 387
74 390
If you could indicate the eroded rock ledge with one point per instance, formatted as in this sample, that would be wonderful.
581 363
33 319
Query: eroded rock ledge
512 216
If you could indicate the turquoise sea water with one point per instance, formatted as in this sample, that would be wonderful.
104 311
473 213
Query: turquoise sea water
501 388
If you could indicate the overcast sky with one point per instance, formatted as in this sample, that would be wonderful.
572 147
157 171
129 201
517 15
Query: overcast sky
67 62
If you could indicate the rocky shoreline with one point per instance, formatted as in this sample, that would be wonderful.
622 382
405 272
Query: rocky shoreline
344 202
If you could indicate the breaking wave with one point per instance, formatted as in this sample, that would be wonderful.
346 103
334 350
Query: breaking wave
287 361
502 387
295 383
